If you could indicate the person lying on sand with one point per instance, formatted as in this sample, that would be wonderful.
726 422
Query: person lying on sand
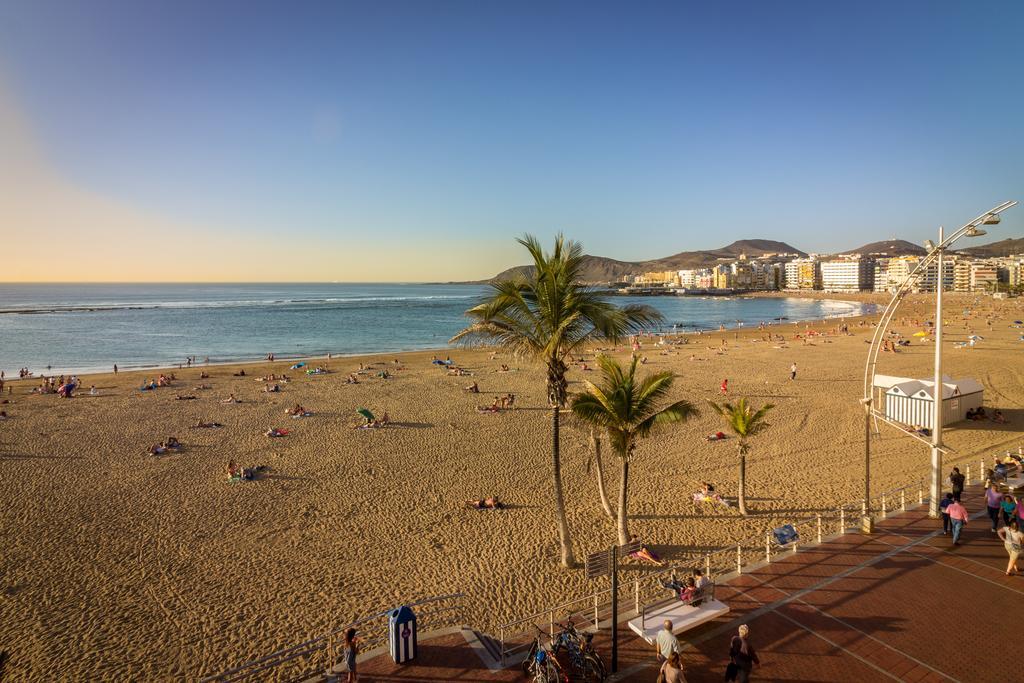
473 388
717 436
504 368
490 503
274 432
236 473
184 397
207 425
352 379
298 411
646 554
171 444
271 389
231 399
707 494
202 387
240 373
495 407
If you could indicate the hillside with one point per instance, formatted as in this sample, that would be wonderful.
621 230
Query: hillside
603 269
892 247
1007 247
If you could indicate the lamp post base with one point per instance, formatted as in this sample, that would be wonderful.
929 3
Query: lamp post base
867 524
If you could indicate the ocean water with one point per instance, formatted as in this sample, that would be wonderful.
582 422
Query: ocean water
82 328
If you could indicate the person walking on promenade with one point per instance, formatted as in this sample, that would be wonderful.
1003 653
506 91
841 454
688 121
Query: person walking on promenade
742 656
943 505
993 498
956 480
672 670
1012 539
1008 506
666 642
958 518
351 650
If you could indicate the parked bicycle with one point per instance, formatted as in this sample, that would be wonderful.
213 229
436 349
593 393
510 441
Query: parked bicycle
583 658
541 665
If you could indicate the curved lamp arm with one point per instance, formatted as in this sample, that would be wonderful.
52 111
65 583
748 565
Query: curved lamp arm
904 288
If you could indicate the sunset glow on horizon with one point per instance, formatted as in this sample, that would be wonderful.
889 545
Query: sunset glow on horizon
188 143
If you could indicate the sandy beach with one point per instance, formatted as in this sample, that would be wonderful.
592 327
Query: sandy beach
120 565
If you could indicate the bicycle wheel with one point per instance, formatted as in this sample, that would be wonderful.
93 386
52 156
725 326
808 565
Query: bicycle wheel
593 668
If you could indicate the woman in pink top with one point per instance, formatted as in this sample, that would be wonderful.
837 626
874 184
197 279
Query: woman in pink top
958 517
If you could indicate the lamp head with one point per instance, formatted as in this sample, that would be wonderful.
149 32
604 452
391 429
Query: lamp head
978 232
990 219
929 245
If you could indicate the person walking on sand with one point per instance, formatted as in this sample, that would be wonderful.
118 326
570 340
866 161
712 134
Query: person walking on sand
956 480
1012 539
725 386
351 651
792 372
666 643
742 656
115 368
958 518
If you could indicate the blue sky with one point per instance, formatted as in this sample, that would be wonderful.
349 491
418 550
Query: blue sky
428 135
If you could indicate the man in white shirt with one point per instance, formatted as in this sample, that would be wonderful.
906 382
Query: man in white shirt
666 643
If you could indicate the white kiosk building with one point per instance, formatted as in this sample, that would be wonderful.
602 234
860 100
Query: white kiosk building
909 401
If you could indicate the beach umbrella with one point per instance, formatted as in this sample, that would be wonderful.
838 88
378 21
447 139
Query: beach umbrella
920 334
365 413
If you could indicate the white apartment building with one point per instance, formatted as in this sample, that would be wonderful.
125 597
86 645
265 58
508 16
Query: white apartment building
696 278
847 275
898 269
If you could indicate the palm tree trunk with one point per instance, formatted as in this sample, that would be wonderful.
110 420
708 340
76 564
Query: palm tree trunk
743 483
568 560
595 444
623 487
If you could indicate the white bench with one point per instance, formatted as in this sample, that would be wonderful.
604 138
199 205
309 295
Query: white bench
683 617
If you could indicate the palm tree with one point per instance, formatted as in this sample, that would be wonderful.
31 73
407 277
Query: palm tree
744 422
546 314
602 495
627 408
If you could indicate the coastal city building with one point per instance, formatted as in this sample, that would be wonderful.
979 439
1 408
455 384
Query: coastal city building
803 273
847 275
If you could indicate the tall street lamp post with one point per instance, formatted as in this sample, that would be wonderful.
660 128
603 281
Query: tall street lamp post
934 256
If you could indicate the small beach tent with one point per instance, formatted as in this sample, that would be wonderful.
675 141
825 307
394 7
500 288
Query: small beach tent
909 401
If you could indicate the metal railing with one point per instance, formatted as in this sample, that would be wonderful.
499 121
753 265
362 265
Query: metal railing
319 655
723 563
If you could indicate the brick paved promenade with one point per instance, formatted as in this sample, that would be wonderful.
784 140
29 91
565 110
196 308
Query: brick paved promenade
902 604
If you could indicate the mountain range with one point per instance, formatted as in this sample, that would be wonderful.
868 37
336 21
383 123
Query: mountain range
603 269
